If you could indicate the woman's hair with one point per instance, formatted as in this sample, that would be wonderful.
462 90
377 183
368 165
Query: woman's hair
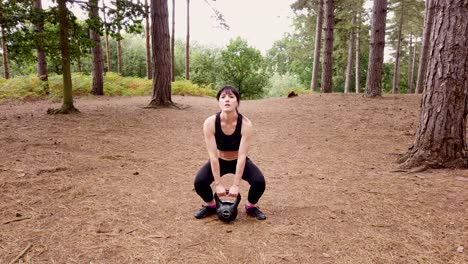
227 89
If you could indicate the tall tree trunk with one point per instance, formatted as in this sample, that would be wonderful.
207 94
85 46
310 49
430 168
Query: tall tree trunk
413 65
173 43
349 65
161 55
327 68
96 51
440 137
67 106
6 70
410 60
149 70
428 23
187 44
109 65
318 45
41 56
119 56
376 53
358 55
396 69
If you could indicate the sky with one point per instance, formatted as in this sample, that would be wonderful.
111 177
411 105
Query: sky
260 22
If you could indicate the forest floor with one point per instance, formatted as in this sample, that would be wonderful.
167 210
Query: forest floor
114 184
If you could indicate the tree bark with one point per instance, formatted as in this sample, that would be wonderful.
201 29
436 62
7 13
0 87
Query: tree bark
410 60
428 23
161 55
173 43
109 65
67 106
349 65
96 50
41 56
318 45
396 69
440 137
376 53
119 56
187 44
413 65
149 70
6 69
358 54
327 68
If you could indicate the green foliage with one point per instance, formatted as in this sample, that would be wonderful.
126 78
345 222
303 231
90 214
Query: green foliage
29 87
205 65
282 85
188 88
243 67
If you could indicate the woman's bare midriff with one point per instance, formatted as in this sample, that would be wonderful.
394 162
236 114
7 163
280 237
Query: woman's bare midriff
228 155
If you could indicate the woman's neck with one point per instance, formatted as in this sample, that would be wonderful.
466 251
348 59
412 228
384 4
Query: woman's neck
230 116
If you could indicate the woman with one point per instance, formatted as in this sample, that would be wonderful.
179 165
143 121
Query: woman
228 135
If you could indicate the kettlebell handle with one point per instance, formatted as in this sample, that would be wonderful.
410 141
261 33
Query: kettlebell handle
218 201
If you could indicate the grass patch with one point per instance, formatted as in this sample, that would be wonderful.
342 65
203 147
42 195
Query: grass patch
29 87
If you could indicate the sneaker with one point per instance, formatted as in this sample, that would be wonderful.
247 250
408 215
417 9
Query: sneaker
255 212
205 211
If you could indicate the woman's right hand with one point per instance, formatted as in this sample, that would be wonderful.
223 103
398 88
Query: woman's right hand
220 190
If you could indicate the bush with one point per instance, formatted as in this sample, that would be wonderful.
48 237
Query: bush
282 85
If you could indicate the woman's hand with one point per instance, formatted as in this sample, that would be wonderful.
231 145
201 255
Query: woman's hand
220 190
234 191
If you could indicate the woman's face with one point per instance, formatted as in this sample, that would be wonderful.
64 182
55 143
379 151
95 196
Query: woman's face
227 102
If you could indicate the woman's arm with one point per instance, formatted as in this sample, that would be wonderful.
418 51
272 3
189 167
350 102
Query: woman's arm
209 133
247 133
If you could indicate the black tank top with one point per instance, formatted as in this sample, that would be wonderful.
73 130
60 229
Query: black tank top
228 142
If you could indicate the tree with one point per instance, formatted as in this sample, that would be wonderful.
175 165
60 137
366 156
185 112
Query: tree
440 137
187 44
149 71
358 54
161 55
317 46
327 69
98 57
6 71
243 67
349 65
396 69
173 43
376 53
109 65
428 23
67 106
42 72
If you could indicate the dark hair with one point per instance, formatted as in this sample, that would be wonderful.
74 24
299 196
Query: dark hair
228 88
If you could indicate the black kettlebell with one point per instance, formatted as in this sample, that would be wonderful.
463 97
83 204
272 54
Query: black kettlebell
226 210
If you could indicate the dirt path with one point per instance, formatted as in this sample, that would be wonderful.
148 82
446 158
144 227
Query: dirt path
114 185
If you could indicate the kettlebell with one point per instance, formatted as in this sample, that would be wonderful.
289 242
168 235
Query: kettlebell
226 210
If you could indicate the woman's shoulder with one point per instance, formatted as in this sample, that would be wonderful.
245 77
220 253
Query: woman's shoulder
246 121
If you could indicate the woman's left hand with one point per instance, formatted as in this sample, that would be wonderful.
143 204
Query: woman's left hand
234 191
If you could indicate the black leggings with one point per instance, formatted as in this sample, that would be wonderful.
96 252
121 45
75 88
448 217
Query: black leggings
252 175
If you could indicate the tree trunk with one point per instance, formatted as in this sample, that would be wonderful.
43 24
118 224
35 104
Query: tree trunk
376 53
67 106
6 70
109 65
440 137
396 69
187 44
173 43
161 55
358 54
318 45
349 65
119 56
327 68
428 23
149 70
410 60
41 57
96 51
413 66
